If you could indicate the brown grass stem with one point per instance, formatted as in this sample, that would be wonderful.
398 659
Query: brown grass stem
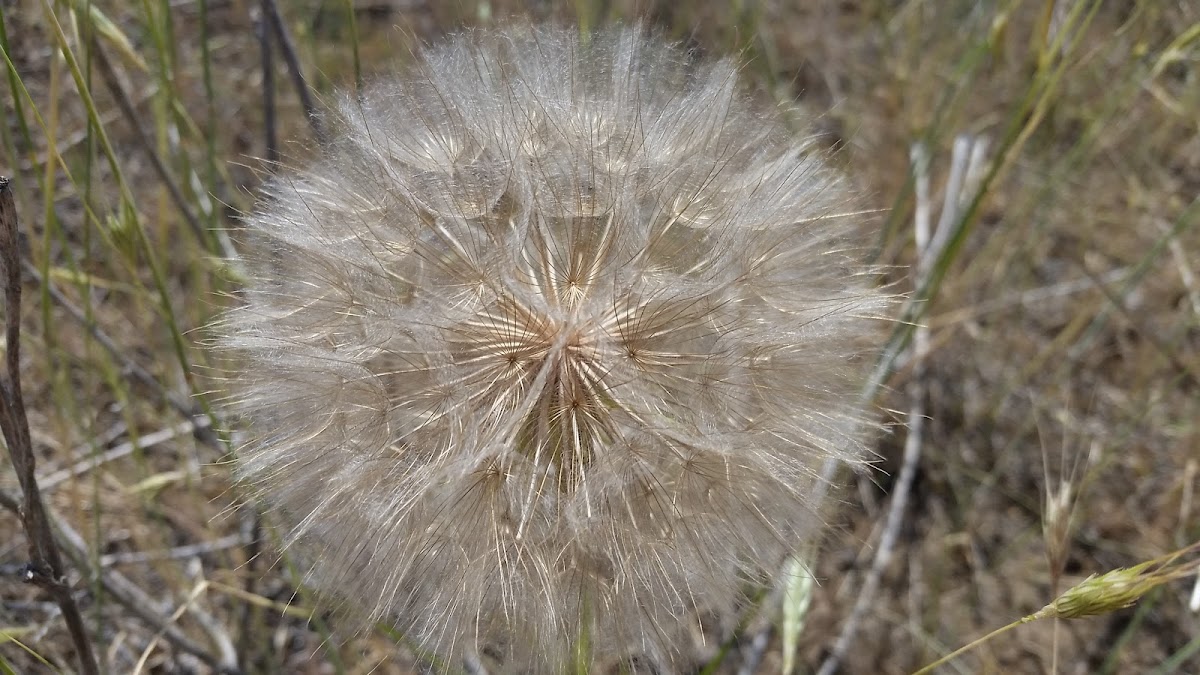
287 47
143 141
269 22
270 125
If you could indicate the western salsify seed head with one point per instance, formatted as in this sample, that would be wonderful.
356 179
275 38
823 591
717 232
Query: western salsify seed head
549 347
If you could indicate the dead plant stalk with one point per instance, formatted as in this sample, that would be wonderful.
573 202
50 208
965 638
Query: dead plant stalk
45 566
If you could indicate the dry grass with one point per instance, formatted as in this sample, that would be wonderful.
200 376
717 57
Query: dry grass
1063 317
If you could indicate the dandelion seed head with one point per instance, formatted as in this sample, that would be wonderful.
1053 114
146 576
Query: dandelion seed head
551 343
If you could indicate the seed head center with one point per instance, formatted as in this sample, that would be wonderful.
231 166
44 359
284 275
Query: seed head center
562 389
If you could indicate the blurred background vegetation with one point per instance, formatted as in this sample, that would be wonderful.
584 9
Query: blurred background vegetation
1059 382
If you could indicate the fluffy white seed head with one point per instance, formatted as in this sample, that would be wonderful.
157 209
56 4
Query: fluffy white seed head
549 347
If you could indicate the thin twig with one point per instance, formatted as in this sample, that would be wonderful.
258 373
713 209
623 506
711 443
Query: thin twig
45 568
251 529
263 30
143 141
288 48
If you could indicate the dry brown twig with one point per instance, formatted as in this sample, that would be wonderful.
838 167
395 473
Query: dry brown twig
263 31
129 112
45 567
121 96
287 48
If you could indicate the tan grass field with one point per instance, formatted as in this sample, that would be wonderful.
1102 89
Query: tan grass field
1057 382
